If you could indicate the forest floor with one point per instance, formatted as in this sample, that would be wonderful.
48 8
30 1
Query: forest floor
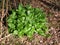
54 29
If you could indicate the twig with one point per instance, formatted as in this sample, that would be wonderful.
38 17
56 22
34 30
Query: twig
3 1
6 7
15 3
6 10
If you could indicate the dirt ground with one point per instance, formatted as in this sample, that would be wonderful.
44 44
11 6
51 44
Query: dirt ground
53 24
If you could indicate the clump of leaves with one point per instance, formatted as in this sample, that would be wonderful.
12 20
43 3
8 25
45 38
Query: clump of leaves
26 20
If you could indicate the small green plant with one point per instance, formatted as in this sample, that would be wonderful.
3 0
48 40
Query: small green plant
25 21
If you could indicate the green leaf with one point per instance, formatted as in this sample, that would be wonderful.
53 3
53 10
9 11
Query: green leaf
26 20
20 33
20 7
30 34
41 32
11 25
15 32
